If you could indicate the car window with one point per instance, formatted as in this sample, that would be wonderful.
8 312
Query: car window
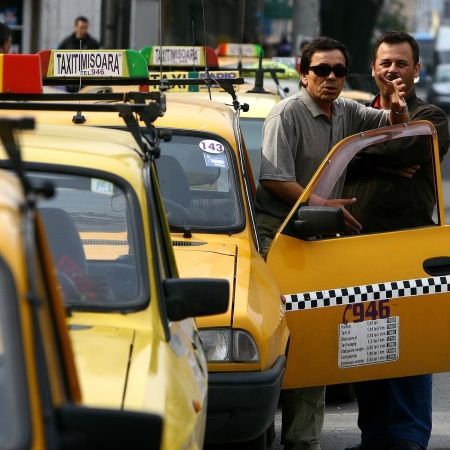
385 200
198 182
252 131
91 225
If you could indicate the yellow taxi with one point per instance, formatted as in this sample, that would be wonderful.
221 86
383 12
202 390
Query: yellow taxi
39 390
136 346
203 174
207 198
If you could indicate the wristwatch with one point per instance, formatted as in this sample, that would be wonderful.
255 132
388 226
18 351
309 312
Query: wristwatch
403 111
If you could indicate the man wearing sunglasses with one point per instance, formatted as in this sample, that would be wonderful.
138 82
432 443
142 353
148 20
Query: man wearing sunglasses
397 413
297 135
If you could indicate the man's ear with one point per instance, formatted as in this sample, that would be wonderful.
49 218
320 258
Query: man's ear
304 80
373 71
417 70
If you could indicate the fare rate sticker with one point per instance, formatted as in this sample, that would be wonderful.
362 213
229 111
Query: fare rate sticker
88 63
368 342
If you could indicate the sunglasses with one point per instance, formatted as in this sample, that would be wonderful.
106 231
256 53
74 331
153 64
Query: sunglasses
323 70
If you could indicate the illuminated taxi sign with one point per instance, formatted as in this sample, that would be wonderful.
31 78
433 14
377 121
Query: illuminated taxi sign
93 64
179 56
185 75
247 50
20 74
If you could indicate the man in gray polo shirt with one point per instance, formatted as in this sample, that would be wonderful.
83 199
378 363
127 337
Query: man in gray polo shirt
297 134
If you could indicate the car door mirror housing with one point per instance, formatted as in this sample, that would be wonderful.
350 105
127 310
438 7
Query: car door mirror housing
190 297
314 222
98 428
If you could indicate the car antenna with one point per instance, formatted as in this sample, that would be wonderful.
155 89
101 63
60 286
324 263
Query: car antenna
163 86
79 118
241 38
208 77
259 74
194 55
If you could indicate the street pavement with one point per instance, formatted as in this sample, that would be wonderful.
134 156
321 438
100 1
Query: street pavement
340 429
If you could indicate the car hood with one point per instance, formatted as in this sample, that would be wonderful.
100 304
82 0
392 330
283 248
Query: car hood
209 260
102 354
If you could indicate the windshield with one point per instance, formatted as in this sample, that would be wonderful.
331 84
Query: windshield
91 227
198 181
368 171
252 131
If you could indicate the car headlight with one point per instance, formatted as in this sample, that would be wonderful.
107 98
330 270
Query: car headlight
225 345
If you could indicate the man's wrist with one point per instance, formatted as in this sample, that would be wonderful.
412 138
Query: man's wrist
404 110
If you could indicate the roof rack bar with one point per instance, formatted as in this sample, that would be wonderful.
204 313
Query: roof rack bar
134 82
109 96
152 109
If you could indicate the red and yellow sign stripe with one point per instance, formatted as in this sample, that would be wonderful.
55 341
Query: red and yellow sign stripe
20 74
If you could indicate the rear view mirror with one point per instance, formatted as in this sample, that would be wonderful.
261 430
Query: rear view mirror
315 222
190 297
109 429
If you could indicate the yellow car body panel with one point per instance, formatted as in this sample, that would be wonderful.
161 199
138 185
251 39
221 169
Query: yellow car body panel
210 260
125 359
102 355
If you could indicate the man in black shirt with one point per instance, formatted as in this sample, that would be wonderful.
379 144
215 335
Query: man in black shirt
80 38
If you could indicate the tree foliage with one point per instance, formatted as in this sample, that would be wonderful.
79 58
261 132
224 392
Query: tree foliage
392 18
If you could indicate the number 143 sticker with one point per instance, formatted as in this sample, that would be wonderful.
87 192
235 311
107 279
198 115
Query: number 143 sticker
211 146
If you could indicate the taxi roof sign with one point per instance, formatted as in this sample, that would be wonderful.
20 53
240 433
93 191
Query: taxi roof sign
246 50
20 74
179 79
93 64
180 56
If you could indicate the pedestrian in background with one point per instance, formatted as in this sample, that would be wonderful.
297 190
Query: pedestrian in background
284 47
395 188
80 38
297 135
5 38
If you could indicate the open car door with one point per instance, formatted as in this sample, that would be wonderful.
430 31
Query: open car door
368 306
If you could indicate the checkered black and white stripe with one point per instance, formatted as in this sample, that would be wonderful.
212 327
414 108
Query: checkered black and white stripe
367 293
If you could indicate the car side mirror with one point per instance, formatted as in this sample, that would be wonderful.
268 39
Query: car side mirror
190 297
314 222
112 429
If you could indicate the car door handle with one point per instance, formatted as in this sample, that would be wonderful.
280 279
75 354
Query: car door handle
437 266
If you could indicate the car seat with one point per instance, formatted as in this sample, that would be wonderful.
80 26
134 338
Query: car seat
70 260
175 190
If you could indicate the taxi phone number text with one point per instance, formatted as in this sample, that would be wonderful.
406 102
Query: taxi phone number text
92 72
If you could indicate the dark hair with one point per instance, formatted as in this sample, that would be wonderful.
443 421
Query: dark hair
317 45
397 37
81 19
5 34
303 44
